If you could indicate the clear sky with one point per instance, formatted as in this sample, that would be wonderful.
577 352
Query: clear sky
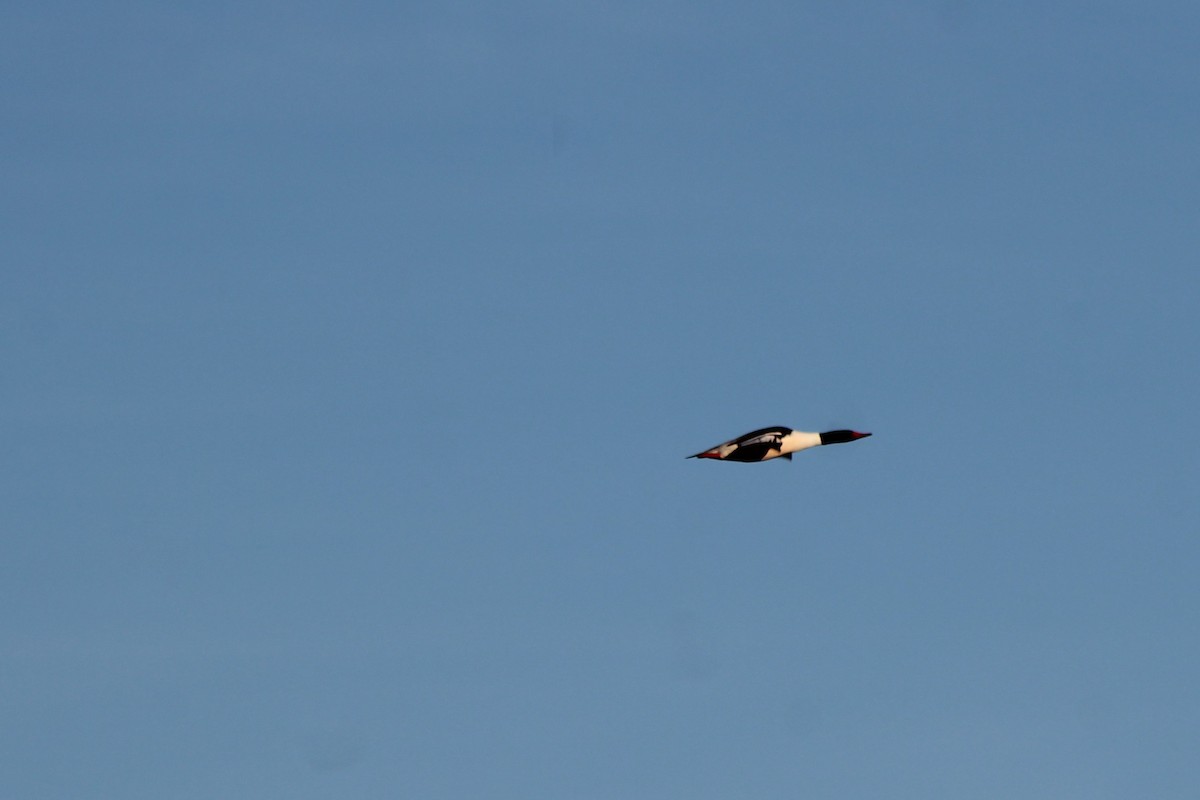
351 353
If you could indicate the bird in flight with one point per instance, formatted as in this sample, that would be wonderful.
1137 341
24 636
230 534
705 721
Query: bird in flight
767 443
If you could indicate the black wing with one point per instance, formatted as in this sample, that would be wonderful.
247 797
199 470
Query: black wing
752 446
765 434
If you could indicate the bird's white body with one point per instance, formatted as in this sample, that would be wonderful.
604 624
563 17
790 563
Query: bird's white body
796 441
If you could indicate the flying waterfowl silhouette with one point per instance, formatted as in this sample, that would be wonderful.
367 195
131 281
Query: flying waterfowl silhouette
767 443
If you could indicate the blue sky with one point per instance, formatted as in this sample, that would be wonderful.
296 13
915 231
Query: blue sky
351 355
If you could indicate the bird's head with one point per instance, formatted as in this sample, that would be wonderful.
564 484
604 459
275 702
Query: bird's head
841 437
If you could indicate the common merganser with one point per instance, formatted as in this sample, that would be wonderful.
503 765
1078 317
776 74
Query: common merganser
768 443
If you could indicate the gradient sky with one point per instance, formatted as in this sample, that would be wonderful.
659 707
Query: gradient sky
351 353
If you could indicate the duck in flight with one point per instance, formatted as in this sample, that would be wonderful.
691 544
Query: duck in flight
768 443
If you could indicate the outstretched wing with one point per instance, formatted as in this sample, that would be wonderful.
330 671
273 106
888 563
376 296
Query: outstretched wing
756 443
762 436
